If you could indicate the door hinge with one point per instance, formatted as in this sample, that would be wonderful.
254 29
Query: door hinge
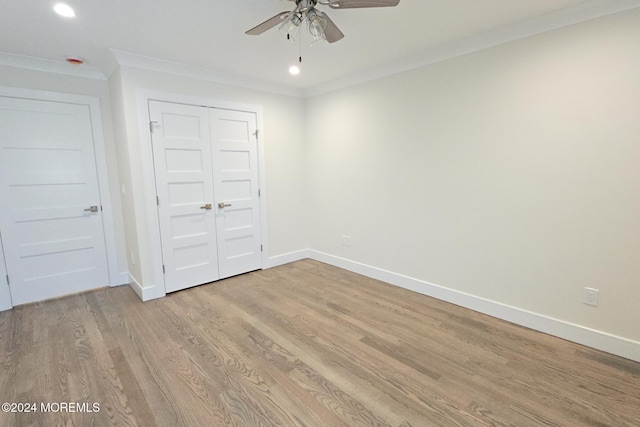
152 125
163 270
256 133
259 193
157 200
261 248
8 281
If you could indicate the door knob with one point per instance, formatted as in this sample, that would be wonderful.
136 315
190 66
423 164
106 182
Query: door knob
91 209
223 205
207 206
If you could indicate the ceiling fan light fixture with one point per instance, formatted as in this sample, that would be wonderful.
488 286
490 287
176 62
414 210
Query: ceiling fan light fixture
291 26
319 38
317 23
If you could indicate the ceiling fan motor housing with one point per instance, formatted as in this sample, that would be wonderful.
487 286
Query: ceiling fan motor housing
304 5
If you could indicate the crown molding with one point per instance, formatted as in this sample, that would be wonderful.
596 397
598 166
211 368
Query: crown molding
563 18
51 66
129 59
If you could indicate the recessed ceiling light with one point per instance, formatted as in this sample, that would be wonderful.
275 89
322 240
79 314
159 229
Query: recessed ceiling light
294 70
64 10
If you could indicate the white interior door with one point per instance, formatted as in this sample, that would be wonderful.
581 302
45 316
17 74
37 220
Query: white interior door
184 181
5 294
50 210
235 171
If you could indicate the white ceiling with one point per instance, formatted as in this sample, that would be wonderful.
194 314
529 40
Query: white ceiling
210 33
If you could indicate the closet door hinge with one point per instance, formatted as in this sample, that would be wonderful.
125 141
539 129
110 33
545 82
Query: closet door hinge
261 248
259 193
8 281
256 133
157 200
163 270
153 125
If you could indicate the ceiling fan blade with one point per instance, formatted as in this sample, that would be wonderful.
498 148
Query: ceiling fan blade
352 4
332 33
268 24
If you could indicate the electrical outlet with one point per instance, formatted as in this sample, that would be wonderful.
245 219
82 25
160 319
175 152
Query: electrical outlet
345 241
590 296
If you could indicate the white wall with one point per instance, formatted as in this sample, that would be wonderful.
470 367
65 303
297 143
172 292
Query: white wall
284 149
124 171
510 175
52 82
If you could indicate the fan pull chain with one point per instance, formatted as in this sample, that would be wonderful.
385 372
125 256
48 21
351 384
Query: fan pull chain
300 49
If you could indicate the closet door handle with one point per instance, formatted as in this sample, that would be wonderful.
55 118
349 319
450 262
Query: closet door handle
207 206
223 205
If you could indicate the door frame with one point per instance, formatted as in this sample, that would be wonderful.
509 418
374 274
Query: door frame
156 287
115 276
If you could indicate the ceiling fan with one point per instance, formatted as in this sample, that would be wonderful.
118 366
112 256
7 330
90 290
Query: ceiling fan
320 25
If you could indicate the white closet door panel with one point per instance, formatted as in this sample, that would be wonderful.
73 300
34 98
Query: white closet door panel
182 157
235 166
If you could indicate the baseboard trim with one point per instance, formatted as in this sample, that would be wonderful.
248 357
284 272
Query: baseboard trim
136 286
599 340
287 258
145 293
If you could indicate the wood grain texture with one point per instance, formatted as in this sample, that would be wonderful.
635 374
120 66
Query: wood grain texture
304 344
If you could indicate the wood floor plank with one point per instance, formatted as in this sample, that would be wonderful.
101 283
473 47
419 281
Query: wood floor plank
184 388
307 355
262 382
239 381
279 363
321 355
436 406
303 344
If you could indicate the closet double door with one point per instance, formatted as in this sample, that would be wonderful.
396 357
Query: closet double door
206 170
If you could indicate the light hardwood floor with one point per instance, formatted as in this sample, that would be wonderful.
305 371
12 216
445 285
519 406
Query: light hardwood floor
303 344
